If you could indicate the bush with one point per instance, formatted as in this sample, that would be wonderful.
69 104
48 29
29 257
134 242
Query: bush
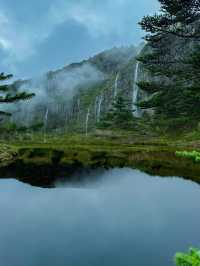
192 258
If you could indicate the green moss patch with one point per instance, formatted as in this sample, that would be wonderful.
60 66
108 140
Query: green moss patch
194 155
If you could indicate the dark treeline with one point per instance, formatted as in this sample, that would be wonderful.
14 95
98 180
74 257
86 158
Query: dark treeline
172 58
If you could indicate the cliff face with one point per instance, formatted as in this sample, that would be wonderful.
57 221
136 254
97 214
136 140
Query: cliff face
78 95
121 72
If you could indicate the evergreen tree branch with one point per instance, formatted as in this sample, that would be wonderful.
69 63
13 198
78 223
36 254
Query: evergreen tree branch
19 96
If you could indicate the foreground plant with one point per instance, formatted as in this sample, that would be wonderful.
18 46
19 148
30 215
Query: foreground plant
192 258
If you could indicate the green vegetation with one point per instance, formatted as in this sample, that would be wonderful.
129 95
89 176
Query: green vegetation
11 96
120 115
192 258
195 155
30 157
175 76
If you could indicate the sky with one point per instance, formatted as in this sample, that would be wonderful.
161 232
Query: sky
41 35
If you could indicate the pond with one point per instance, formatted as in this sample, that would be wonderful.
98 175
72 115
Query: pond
124 218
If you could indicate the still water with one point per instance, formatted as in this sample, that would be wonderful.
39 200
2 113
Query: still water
126 218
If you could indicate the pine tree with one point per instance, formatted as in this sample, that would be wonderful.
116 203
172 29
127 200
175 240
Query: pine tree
9 94
175 79
176 18
119 116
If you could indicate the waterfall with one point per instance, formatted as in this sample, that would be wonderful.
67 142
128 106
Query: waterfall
87 121
135 92
99 108
45 123
96 106
116 85
46 118
78 108
78 105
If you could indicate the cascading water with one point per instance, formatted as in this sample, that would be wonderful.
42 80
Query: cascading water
78 105
78 108
116 85
96 106
46 123
135 92
99 108
46 118
87 121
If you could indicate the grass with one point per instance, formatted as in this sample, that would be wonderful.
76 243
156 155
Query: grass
156 156
195 155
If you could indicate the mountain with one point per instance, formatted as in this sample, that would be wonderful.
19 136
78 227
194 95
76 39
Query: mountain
75 97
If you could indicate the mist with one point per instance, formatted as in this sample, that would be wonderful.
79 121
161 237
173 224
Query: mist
54 91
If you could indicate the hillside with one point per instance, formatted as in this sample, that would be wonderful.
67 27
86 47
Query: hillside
78 95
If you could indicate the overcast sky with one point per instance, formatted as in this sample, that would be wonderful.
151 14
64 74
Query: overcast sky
40 35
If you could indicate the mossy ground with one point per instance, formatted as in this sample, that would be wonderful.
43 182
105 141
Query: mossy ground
38 156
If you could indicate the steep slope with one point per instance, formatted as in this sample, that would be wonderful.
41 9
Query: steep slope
78 95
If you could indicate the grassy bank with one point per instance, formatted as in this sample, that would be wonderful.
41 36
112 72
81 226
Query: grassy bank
57 156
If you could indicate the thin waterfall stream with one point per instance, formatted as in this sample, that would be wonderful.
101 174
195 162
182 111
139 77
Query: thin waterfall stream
46 123
87 121
116 85
99 108
135 92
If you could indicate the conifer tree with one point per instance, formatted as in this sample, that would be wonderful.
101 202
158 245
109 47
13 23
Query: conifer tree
119 116
9 94
175 78
175 18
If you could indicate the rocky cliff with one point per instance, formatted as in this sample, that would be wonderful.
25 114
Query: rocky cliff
75 97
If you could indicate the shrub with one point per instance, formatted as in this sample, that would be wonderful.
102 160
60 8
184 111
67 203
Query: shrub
192 258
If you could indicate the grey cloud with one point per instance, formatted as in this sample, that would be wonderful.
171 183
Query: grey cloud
21 36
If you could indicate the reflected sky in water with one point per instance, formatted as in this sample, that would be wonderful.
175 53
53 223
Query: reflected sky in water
127 218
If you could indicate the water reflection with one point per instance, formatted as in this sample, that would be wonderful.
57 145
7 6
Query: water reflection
125 218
